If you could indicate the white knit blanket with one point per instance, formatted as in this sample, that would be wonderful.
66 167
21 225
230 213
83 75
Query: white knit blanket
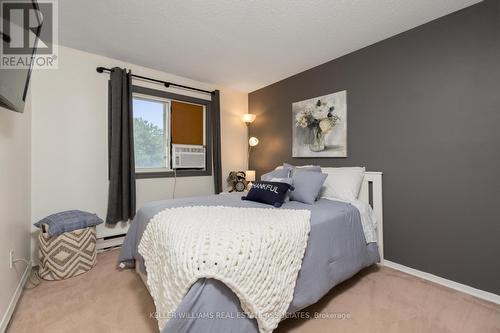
256 252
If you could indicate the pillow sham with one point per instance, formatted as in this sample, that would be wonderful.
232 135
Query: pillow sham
307 185
278 173
286 180
343 183
271 193
292 168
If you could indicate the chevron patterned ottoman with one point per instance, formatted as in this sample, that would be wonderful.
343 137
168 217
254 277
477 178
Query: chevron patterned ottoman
68 254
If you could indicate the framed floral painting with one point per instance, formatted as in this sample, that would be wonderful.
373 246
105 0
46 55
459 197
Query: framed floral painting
320 126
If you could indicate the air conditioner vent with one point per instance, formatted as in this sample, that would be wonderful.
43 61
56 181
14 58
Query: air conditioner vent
188 156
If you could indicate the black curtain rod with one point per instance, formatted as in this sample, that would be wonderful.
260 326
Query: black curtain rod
165 83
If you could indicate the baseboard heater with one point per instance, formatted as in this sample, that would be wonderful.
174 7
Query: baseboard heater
104 243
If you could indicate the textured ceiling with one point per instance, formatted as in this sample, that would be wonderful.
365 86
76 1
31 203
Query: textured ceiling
241 44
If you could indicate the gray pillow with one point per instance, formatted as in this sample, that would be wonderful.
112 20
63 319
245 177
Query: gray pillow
278 173
307 185
68 221
292 168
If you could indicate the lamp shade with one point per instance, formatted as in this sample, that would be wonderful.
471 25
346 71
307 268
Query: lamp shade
250 175
253 141
248 118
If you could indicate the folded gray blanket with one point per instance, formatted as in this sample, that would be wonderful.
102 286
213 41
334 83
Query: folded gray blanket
67 221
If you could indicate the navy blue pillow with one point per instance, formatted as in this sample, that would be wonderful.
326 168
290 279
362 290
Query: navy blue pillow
271 193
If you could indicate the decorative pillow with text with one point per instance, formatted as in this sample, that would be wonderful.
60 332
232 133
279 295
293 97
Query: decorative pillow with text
271 193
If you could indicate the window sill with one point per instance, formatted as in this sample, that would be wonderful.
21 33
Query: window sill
170 174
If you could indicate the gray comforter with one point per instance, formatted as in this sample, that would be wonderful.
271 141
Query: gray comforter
336 251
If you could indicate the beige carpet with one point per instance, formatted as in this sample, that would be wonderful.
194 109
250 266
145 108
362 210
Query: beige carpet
376 300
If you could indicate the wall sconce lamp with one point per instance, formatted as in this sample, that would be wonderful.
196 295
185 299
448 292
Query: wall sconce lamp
253 141
248 118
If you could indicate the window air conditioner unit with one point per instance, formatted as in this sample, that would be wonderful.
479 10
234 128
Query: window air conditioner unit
188 156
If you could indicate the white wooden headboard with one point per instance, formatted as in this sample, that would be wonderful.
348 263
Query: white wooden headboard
371 193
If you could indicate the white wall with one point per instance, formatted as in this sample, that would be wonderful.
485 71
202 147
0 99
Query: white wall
14 199
69 140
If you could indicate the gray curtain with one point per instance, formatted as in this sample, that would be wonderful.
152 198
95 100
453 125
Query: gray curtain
216 141
121 195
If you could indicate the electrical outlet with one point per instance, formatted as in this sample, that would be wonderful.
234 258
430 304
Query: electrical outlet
11 258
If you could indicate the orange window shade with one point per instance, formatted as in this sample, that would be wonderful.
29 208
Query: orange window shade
187 123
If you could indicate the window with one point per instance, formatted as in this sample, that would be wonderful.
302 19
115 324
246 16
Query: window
170 133
151 134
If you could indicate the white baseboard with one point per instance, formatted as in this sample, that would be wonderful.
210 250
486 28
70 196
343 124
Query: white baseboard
485 295
15 298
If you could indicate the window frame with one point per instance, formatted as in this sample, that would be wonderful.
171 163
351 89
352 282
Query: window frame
165 173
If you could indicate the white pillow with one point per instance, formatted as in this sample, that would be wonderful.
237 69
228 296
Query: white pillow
279 167
342 183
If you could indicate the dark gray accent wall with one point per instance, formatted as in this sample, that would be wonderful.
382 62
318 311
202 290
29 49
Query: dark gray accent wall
423 107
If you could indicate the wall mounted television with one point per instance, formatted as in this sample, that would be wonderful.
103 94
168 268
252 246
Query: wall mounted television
14 82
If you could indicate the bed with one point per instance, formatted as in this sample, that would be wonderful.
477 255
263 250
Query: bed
336 250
